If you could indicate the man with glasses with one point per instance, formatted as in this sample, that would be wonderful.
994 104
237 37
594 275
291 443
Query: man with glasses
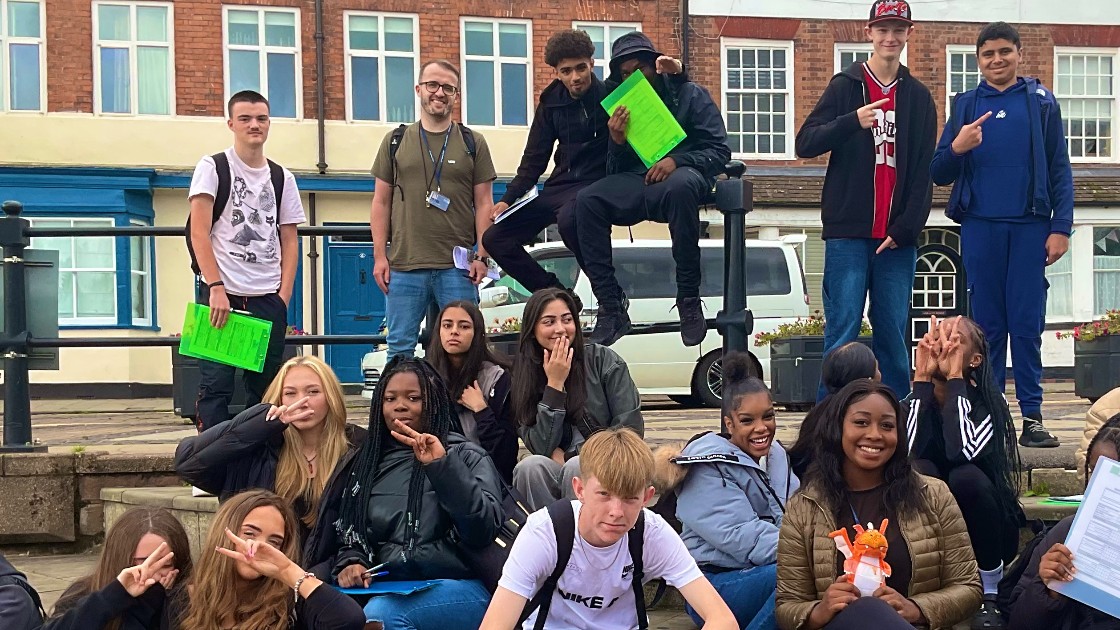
668 192
432 193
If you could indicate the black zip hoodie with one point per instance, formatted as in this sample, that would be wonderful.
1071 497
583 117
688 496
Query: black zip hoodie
578 128
848 197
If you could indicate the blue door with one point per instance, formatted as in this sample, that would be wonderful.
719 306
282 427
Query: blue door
355 305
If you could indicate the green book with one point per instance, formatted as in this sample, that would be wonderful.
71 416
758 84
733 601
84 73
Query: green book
242 342
652 130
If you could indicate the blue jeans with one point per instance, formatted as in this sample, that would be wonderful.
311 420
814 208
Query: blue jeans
852 273
749 593
410 294
449 605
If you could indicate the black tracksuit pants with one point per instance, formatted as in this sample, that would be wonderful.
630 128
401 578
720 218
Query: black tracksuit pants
505 242
625 199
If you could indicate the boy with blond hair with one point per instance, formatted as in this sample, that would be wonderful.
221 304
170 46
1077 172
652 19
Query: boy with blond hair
582 563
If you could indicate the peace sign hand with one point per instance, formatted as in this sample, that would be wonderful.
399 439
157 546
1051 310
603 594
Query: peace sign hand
258 555
299 410
951 361
155 568
970 136
929 351
426 447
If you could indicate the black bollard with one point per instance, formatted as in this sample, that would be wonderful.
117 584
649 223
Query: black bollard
14 343
734 198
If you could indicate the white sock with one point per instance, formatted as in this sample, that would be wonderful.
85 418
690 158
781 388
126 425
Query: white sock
990 579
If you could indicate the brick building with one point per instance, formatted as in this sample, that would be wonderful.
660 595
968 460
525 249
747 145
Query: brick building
106 105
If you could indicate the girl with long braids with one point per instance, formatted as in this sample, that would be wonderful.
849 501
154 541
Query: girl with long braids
860 473
247 576
411 496
960 430
1033 605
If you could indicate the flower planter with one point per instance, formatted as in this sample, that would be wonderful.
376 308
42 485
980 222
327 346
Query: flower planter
795 369
185 378
1096 366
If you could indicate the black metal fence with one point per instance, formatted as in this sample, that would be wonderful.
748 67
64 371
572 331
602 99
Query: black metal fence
732 197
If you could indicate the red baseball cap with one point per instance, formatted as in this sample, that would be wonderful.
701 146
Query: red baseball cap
883 10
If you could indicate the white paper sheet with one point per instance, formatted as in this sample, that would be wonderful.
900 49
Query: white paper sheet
1092 540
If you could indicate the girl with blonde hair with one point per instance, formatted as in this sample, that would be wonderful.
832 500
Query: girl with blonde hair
247 576
291 443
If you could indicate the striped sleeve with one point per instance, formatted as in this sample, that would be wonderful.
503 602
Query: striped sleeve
966 437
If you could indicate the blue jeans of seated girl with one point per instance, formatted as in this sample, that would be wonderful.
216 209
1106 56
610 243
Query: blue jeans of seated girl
449 605
749 593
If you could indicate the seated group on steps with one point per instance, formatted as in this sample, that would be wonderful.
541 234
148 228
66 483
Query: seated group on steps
884 514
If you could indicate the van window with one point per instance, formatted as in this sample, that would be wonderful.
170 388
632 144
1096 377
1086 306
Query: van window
563 265
651 273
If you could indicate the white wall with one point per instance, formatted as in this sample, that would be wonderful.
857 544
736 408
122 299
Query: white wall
1015 11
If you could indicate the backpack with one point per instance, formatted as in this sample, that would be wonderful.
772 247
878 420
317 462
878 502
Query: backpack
221 197
31 592
395 144
488 561
1012 573
564 527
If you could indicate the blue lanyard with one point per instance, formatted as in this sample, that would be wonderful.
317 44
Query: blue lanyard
442 154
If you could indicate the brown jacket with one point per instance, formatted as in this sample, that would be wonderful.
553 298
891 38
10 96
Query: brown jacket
945 583
1105 407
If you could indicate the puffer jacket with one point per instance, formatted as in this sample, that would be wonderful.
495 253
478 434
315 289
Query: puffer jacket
1105 407
612 399
945 583
461 506
731 506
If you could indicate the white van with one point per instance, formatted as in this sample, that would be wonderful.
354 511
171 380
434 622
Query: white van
659 362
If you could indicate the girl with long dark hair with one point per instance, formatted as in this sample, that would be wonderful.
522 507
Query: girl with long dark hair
563 391
415 494
145 552
960 430
843 365
477 381
860 474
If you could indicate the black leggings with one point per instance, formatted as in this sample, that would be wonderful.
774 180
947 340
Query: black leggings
995 538
868 612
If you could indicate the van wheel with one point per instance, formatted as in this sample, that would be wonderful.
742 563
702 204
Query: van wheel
707 380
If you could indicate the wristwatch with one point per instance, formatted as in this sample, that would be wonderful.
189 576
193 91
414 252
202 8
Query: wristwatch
484 259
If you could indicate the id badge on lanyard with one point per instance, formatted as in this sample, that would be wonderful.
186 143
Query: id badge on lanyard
435 198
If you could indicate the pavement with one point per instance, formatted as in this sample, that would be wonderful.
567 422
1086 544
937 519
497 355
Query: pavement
149 426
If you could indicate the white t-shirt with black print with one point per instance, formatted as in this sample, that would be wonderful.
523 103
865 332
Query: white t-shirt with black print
595 590
245 239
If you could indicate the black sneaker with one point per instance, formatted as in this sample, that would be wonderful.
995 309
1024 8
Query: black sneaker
988 616
693 326
1035 435
612 322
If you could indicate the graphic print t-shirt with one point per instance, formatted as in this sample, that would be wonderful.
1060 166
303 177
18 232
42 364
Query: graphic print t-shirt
595 590
245 239
884 130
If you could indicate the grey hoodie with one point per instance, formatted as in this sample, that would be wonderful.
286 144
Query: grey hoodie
731 507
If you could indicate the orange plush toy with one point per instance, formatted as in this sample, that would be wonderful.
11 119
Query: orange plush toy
865 562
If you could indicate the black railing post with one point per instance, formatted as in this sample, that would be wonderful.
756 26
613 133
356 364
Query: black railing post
735 198
17 388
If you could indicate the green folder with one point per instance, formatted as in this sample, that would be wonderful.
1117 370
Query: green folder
242 342
652 130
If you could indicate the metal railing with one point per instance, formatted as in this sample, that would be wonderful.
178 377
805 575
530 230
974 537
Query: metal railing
734 322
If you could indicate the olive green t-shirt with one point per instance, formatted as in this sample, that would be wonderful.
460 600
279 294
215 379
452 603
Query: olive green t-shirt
423 236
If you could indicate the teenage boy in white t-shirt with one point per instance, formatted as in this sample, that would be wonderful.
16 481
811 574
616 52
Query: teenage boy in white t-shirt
247 258
595 589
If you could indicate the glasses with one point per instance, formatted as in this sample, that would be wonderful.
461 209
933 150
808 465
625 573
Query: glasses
433 86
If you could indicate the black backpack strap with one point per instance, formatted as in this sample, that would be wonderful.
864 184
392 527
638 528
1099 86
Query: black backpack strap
564 527
636 543
468 140
394 145
221 197
277 174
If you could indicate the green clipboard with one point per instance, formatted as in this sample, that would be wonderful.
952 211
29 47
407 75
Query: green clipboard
652 130
242 342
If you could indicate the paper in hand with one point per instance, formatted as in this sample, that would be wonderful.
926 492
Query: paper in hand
521 202
652 130
462 257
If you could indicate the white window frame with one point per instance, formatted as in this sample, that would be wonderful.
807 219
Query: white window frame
606 26
790 113
6 67
263 49
145 244
849 47
380 55
1115 54
950 50
111 321
497 60
133 69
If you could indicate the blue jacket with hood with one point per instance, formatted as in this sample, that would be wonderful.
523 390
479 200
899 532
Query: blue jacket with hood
731 506
1044 175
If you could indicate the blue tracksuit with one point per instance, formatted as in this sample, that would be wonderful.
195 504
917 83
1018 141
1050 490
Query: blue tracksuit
1009 194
